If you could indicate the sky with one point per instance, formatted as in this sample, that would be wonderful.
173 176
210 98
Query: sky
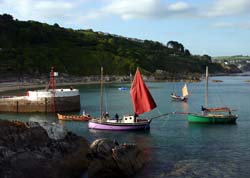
212 27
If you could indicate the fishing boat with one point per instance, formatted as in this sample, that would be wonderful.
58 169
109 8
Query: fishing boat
84 117
142 102
184 96
212 115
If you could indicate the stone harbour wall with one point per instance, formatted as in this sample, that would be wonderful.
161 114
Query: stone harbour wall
63 104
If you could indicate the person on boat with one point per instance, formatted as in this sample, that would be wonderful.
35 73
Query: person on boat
116 117
184 99
106 115
174 94
135 117
203 110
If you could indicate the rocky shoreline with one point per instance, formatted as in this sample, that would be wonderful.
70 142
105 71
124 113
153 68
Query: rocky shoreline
26 83
41 150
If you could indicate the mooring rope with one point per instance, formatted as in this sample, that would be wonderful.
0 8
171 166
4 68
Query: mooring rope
170 113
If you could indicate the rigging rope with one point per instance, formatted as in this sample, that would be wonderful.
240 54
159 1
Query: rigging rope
170 113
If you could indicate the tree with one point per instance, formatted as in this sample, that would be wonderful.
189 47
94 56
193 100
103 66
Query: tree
6 17
176 46
187 53
56 25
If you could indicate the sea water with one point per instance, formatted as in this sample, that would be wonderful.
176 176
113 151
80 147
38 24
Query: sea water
173 147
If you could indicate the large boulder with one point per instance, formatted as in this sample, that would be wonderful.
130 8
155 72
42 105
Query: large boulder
109 159
27 151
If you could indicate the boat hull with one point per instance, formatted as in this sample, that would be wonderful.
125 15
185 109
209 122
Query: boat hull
73 117
118 126
178 98
212 119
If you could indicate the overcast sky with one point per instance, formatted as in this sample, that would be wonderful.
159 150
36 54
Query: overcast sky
213 27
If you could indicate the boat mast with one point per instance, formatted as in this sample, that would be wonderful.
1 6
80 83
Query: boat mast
52 80
101 102
206 99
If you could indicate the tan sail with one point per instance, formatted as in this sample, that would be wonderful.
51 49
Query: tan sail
184 90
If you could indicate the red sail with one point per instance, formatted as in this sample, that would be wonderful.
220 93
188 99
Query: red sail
141 97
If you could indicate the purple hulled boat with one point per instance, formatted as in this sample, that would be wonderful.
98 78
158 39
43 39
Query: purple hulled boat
142 102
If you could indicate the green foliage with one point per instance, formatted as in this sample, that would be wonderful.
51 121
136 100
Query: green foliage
31 46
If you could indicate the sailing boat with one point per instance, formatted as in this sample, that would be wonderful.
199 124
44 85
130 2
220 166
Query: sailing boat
184 94
83 117
222 115
142 102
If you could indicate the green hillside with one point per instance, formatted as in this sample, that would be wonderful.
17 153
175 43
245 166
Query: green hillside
29 47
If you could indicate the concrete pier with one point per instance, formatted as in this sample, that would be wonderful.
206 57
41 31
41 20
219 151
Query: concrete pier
64 101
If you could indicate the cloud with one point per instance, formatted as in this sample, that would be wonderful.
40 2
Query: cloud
179 6
84 11
160 9
244 26
37 9
229 7
223 24
53 9
131 9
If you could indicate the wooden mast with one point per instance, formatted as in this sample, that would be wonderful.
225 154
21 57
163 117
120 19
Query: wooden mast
101 101
206 99
52 78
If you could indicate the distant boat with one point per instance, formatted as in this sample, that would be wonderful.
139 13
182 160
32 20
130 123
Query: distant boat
142 102
222 115
84 117
216 81
123 88
184 96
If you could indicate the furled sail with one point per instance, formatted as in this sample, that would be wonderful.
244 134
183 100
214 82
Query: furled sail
184 90
221 109
140 95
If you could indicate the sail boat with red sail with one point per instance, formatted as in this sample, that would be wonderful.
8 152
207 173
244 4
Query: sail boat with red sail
142 102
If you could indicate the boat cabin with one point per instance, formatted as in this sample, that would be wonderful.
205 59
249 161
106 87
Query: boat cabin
129 119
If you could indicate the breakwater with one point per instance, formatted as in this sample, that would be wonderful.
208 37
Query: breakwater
42 101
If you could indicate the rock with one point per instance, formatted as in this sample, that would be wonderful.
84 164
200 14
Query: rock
26 151
102 147
109 159
129 158
55 131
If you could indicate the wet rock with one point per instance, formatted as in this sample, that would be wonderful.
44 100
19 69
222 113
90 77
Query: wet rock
27 151
55 131
103 147
109 159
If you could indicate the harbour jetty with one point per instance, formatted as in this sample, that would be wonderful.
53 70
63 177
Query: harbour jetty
47 100
58 100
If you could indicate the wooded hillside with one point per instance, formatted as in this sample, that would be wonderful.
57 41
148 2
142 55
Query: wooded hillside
29 47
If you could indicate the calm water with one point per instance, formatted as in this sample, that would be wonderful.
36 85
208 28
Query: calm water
173 147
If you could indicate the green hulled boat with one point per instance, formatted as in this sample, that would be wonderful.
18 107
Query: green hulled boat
221 115
212 118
